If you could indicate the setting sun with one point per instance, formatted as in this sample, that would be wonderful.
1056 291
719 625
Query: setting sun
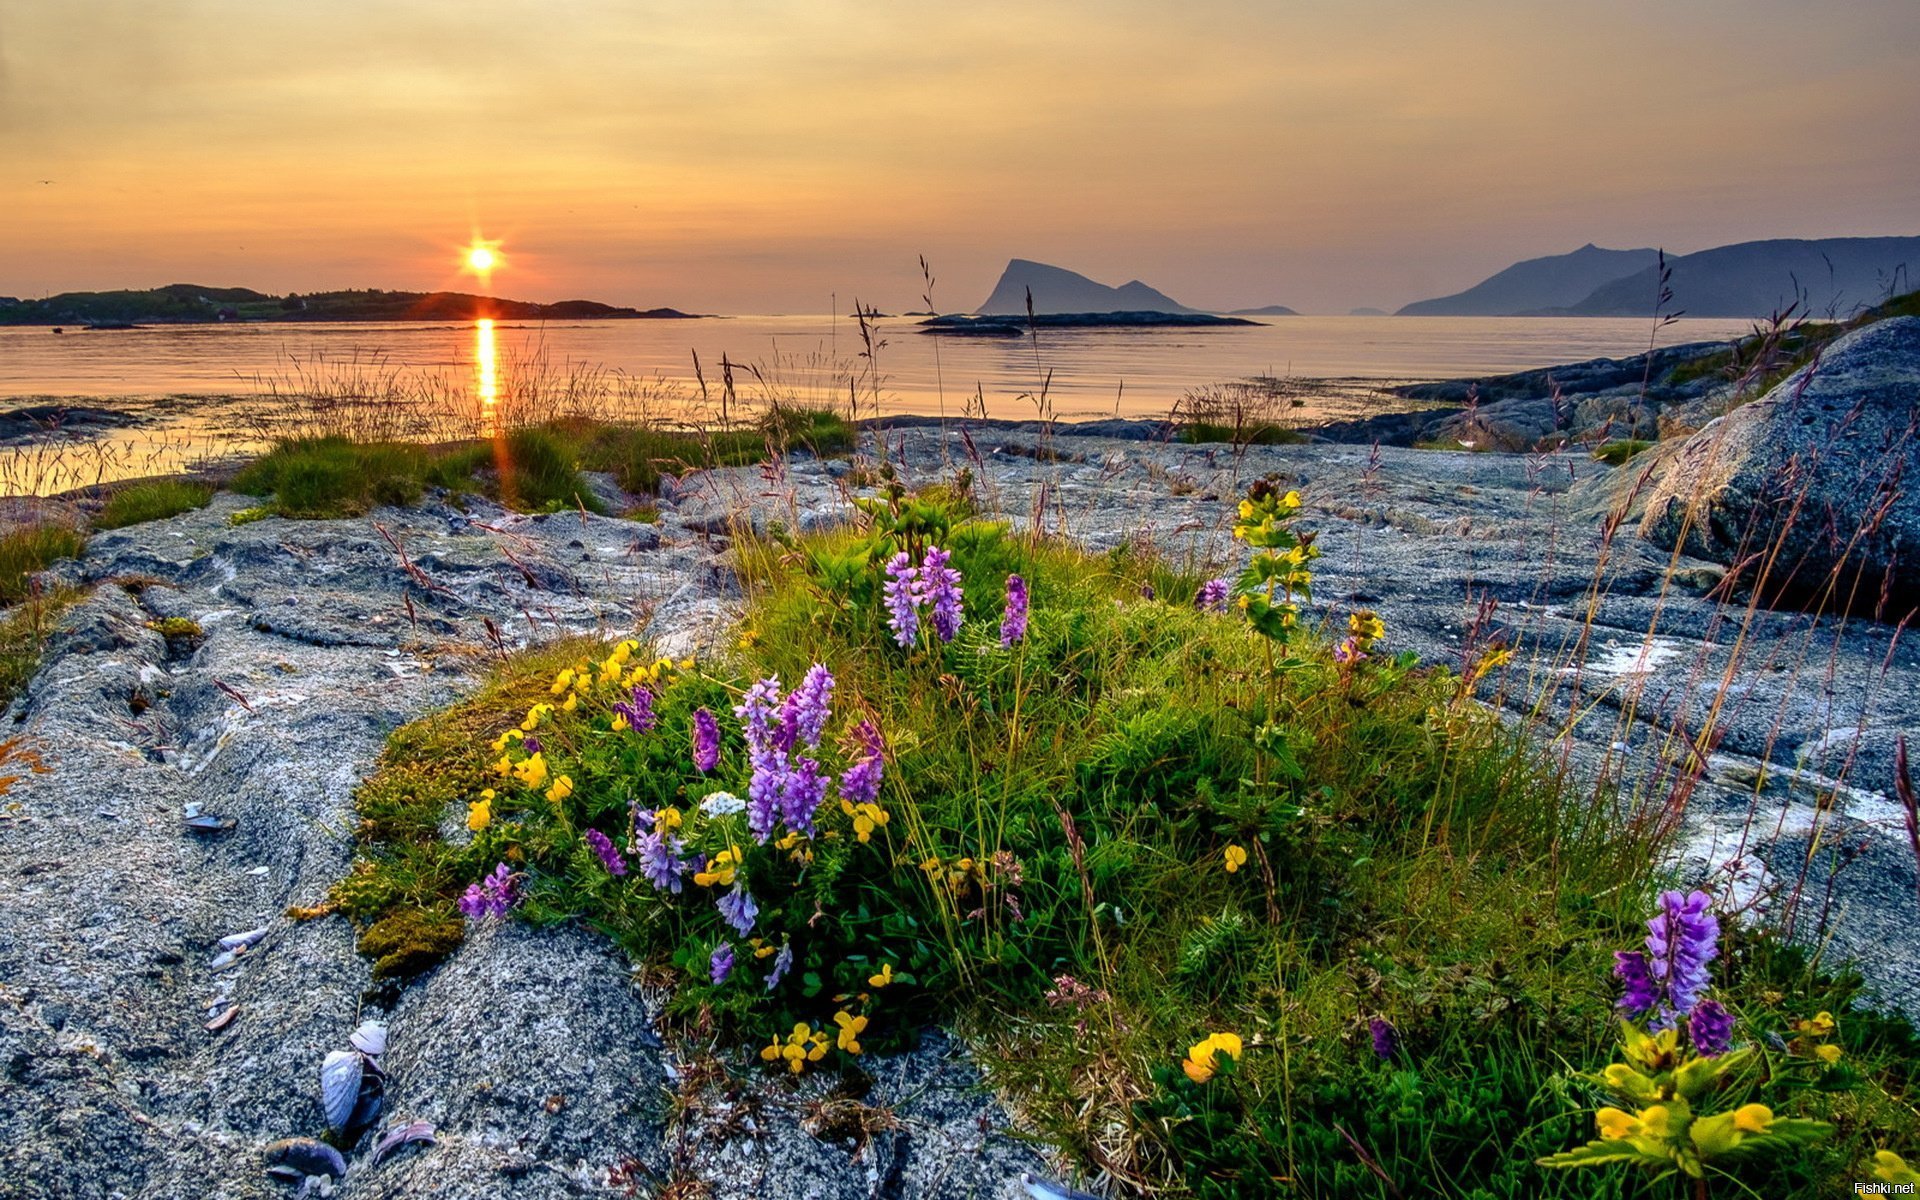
481 259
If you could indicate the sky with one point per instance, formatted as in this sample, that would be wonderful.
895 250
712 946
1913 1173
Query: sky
725 156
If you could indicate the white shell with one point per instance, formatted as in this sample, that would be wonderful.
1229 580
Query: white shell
340 1086
234 941
369 1039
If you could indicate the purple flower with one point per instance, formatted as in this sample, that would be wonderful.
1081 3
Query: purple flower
609 853
782 963
805 787
803 717
638 711
1013 626
757 709
660 861
861 782
706 741
530 744
738 909
1639 995
770 775
1386 1039
1681 940
492 896
720 965
940 587
1212 596
1710 1028
1348 652
902 595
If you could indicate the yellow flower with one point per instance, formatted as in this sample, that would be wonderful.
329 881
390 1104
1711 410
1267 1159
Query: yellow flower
850 1029
667 819
504 767
1615 1125
561 789
1891 1168
623 651
1291 500
866 818
1821 1025
480 812
572 702
799 1048
511 735
1236 857
1752 1118
535 715
562 681
619 722
882 978
1827 1053
1203 1057
1653 1121
721 870
532 771
1366 626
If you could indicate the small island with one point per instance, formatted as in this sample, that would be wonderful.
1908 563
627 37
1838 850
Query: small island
1016 325
191 304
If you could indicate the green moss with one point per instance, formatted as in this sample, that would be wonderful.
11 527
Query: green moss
409 941
1255 435
1618 452
152 501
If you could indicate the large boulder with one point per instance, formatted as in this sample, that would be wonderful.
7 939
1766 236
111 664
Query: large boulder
1810 491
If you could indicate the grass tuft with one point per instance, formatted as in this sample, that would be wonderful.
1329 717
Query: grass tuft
28 549
155 500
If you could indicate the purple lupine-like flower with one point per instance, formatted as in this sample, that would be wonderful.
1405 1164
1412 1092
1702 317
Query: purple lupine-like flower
860 784
800 798
1013 625
757 710
660 861
1681 940
720 964
782 963
639 710
902 593
1710 1028
1386 1039
771 773
493 896
940 587
1212 596
1640 993
706 741
608 853
738 909
803 717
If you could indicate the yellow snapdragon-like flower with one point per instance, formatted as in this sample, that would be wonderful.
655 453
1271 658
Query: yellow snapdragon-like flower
1235 857
1615 1125
535 715
480 812
850 1029
667 818
620 723
797 1049
512 735
1366 625
562 681
1827 1053
1752 1118
571 703
882 977
561 789
867 817
532 770
722 870
504 767
1203 1057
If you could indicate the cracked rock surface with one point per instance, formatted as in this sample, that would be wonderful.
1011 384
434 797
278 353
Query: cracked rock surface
533 1052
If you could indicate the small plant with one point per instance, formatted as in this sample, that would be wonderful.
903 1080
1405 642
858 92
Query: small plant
29 549
152 501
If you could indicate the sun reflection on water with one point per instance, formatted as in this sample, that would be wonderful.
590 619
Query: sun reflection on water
485 365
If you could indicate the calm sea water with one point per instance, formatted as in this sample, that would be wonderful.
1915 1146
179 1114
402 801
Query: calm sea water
202 390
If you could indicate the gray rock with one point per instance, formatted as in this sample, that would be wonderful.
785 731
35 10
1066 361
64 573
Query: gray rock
1811 487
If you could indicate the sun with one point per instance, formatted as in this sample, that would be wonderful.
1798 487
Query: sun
481 259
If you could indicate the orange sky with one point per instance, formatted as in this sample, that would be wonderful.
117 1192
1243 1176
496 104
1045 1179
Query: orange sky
728 156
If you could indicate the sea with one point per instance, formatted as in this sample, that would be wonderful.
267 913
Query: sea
195 392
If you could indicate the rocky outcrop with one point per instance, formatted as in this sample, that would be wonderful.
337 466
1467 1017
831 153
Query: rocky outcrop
1814 489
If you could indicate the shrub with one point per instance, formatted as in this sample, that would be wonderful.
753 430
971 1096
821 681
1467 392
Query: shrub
152 501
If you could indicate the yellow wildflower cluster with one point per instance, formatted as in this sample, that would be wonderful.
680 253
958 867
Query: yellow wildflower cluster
1235 857
1278 572
721 870
958 874
1365 627
866 818
561 789
850 1029
1815 1038
798 848
1203 1057
480 812
804 1045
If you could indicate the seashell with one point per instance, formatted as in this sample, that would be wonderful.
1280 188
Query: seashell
370 1039
1046 1189
224 1019
285 1174
368 1105
305 1156
207 823
340 1076
395 1139
240 941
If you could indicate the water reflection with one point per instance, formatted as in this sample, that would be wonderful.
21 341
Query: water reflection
485 365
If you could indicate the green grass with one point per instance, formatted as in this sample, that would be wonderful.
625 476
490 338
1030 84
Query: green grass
24 631
1795 348
27 549
534 469
155 500
1063 810
1616 453
1265 434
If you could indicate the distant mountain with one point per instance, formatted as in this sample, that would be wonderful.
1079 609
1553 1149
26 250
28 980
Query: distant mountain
1271 310
187 303
1538 283
1840 276
1058 290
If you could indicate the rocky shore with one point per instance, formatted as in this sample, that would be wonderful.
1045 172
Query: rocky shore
251 673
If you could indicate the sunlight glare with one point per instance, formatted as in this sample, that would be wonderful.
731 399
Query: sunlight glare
484 363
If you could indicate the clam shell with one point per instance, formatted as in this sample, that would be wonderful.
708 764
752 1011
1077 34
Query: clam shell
340 1078
368 1105
239 941
394 1139
1046 1189
224 1019
209 823
370 1039
306 1156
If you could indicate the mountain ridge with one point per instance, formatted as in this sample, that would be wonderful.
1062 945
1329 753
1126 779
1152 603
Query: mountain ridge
1535 284
194 304
1058 290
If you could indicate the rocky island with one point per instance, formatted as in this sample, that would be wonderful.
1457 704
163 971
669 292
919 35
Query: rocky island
186 303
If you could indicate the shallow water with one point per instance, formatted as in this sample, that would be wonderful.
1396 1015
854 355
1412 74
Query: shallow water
208 388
